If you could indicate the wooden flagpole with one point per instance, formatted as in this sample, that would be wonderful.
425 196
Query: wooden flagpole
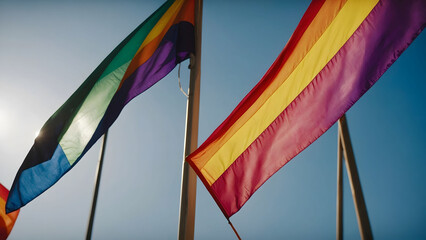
97 183
189 178
351 168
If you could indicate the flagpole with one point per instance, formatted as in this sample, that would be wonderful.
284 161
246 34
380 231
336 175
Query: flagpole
97 182
189 178
351 168
339 200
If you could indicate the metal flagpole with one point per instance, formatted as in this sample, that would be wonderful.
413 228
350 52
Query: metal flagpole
189 178
97 182
351 168
339 200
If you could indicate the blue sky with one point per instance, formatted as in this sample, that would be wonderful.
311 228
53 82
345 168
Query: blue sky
48 48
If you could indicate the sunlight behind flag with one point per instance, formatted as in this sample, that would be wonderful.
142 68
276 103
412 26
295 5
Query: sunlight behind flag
148 54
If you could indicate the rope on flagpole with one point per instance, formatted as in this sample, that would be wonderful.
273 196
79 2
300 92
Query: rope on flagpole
180 85
235 231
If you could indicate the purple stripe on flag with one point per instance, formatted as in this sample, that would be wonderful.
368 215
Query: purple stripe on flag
176 46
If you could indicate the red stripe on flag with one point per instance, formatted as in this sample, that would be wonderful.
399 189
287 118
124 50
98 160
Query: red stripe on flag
6 220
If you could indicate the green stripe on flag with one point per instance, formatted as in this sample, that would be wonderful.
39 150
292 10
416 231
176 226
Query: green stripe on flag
91 100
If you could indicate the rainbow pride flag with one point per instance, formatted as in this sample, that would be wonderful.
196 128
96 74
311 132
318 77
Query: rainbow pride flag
6 220
338 51
148 54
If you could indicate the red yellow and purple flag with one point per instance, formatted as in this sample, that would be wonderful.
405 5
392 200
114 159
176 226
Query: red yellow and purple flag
338 51
143 58
6 220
